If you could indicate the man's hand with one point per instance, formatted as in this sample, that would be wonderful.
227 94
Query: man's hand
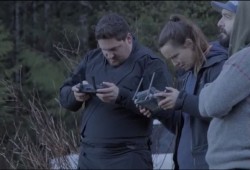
80 97
109 93
170 96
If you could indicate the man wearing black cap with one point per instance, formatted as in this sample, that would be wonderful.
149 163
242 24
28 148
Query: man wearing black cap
225 24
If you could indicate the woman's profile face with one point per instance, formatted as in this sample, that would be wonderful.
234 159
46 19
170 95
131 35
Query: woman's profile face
182 56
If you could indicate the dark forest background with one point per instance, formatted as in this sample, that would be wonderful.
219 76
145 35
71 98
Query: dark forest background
40 43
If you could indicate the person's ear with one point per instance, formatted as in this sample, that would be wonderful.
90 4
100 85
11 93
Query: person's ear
189 43
129 38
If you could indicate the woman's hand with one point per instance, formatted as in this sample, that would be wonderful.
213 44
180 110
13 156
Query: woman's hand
144 111
169 97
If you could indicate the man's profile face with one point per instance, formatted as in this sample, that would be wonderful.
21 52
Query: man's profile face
225 25
116 52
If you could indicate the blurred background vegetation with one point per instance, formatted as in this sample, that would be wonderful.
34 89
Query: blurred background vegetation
40 43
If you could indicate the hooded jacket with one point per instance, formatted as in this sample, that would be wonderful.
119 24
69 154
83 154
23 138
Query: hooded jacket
227 101
187 102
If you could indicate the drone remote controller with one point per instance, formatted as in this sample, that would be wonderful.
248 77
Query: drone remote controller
146 98
91 89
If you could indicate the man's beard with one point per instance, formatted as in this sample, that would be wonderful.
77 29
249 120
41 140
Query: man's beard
224 38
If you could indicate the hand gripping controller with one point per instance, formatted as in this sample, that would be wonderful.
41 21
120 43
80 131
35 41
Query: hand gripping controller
146 98
91 89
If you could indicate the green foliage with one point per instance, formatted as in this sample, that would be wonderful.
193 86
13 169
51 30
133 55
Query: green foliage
44 73
6 45
202 14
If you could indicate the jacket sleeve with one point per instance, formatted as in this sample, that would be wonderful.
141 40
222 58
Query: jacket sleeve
124 99
66 95
189 104
231 87
162 79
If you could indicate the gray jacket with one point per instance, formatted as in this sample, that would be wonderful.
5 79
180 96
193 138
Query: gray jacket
227 101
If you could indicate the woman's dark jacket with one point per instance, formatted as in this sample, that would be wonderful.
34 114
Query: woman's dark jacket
188 103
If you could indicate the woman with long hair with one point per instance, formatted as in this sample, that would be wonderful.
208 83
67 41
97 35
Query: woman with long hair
185 45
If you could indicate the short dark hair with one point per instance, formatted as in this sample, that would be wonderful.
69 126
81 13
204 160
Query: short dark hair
110 26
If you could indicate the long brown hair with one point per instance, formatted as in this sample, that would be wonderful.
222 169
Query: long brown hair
177 30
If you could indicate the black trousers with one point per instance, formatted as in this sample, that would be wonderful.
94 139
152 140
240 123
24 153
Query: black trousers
115 157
